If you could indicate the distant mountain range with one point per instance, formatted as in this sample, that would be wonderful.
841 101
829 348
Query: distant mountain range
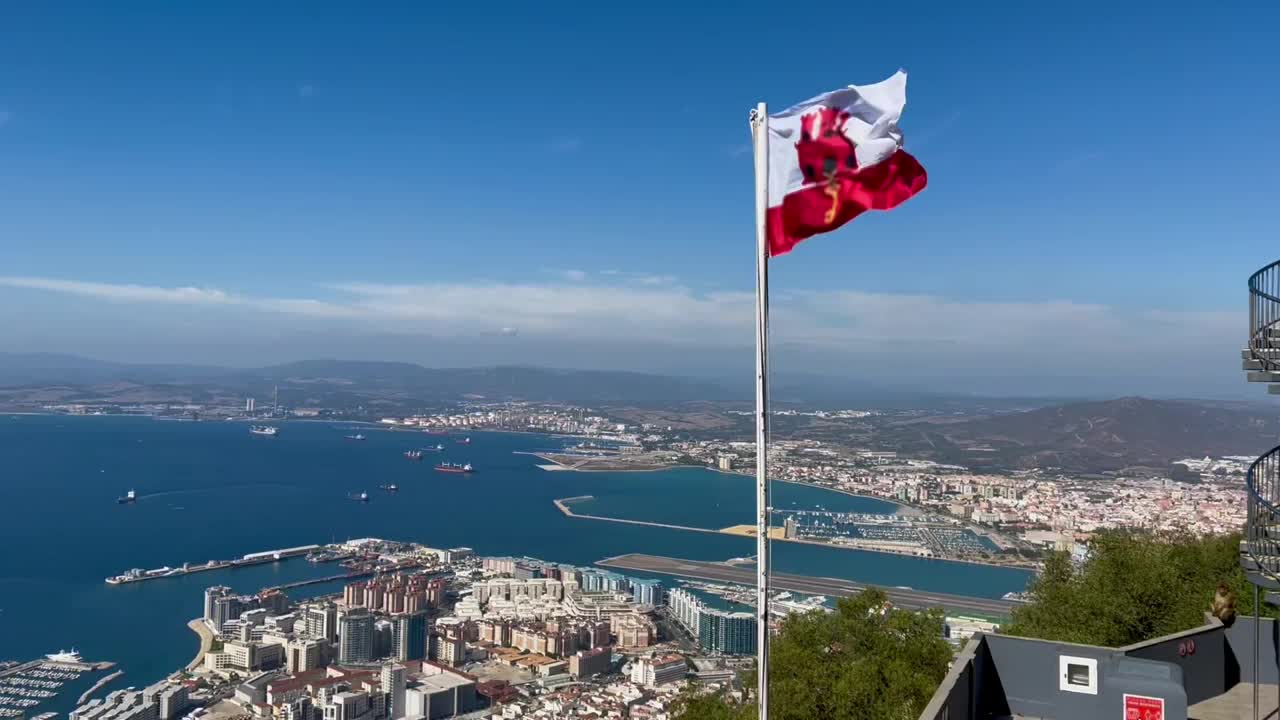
994 433
1095 436
327 380
321 379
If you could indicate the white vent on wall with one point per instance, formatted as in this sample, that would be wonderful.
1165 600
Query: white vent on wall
1078 674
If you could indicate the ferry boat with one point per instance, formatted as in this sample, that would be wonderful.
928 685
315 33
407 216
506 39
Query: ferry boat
266 430
454 468
357 436
64 656
129 497
413 454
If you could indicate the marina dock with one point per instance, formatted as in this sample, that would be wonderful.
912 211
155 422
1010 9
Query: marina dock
909 599
27 686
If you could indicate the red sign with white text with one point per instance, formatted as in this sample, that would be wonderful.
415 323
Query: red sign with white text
1141 707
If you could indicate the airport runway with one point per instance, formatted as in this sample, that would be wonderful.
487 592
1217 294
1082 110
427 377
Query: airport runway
831 587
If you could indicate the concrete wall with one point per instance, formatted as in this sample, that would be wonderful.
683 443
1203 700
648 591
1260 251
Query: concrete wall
1240 639
1202 655
953 700
999 675
1025 673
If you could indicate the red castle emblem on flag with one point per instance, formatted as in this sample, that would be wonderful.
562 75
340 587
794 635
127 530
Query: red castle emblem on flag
824 152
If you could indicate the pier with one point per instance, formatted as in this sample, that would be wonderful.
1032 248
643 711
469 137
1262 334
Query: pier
326 579
831 587
564 508
776 533
256 558
84 697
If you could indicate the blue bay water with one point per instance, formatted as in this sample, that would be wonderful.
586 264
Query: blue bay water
210 490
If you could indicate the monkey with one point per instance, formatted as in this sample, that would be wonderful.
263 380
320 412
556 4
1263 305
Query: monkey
1224 605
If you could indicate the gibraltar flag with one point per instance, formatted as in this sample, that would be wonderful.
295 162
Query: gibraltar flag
832 157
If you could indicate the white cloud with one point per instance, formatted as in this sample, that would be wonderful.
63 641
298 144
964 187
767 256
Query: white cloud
184 295
574 275
904 333
127 291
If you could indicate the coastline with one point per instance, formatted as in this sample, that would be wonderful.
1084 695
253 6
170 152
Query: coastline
206 642
900 507
562 504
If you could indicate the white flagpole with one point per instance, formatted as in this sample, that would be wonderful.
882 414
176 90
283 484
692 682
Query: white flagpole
760 127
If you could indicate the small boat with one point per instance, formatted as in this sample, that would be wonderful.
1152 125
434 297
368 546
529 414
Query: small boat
357 436
412 454
454 468
464 441
362 497
433 448
266 430
129 497
390 488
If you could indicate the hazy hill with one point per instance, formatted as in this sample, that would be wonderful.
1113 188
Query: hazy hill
1096 436
527 383
340 382
56 368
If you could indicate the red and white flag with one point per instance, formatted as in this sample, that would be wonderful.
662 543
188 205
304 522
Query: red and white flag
835 156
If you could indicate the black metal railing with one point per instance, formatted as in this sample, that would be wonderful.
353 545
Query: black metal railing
1264 317
1262 531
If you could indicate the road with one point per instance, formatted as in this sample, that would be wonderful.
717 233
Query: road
832 587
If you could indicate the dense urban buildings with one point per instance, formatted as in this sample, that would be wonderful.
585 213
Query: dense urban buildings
439 633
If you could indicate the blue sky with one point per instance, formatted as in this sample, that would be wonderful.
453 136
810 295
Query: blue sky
570 184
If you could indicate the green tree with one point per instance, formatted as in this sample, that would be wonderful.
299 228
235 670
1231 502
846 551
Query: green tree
865 661
1133 587
703 706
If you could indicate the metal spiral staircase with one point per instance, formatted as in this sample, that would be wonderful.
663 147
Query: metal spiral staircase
1260 548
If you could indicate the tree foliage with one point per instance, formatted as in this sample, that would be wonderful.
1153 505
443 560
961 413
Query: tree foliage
861 662
1132 587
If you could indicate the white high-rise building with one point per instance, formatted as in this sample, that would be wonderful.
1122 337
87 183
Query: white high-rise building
321 621
248 405
393 684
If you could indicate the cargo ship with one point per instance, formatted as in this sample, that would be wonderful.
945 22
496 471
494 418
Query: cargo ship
454 468
129 497
412 454
266 430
